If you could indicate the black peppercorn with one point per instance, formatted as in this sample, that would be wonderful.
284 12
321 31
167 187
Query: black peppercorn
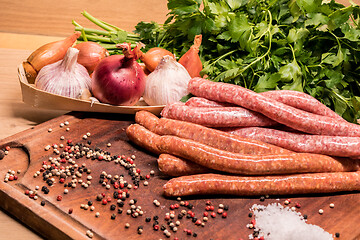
42 203
113 216
2 154
90 203
112 207
147 219
120 210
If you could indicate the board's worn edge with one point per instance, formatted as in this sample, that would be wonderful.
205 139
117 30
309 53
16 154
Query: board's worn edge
43 222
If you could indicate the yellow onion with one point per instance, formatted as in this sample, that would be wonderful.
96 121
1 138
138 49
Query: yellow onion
47 54
90 54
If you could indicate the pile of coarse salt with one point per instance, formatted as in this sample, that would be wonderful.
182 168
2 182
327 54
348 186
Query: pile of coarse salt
276 222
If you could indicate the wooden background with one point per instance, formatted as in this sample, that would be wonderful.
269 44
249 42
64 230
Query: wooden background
24 26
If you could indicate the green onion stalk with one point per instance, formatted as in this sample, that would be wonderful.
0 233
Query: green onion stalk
108 37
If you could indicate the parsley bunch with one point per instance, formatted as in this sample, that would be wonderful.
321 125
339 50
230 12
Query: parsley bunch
302 45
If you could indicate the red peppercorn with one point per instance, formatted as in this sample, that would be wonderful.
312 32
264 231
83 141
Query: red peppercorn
103 194
253 222
167 217
7 148
212 208
135 187
27 192
131 161
186 203
176 206
147 176
44 163
156 227
208 202
188 232
172 212
121 185
198 222
69 141
70 211
175 238
59 198
207 208
63 160
172 207
220 211
224 215
15 177
62 180
32 195
192 214
297 205
189 212
205 214
213 214
11 178
100 157
116 185
104 201
261 238
138 170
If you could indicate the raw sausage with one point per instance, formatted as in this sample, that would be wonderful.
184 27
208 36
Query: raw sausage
143 138
253 164
216 116
292 98
217 184
214 138
328 145
302 101
203 102
174 166
282 113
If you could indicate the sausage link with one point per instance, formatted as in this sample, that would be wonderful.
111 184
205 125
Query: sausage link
253 164
329 145
217 184
216 116
143 138
203 102
174 166
282 113
292 98
214 138
146 119
302 101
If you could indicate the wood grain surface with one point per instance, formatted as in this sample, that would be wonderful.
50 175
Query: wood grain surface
43 17
52 221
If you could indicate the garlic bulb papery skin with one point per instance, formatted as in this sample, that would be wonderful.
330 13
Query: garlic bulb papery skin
65 77
167 83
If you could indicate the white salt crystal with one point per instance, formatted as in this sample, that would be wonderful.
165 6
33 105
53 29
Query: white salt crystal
278 222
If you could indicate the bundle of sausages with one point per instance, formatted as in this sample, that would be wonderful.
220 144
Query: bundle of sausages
236 160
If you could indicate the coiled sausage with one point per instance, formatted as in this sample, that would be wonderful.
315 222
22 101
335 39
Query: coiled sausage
282 113
328 145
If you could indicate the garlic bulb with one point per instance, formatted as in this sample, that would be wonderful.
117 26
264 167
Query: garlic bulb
65 77
167 83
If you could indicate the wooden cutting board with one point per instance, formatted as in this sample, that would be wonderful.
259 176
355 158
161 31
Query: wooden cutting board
52 221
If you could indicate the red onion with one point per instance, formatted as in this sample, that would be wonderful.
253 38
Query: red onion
119 79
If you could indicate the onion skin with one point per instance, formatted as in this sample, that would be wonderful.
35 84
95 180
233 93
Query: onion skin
91 53
191 60
152 58
118 80
47 54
